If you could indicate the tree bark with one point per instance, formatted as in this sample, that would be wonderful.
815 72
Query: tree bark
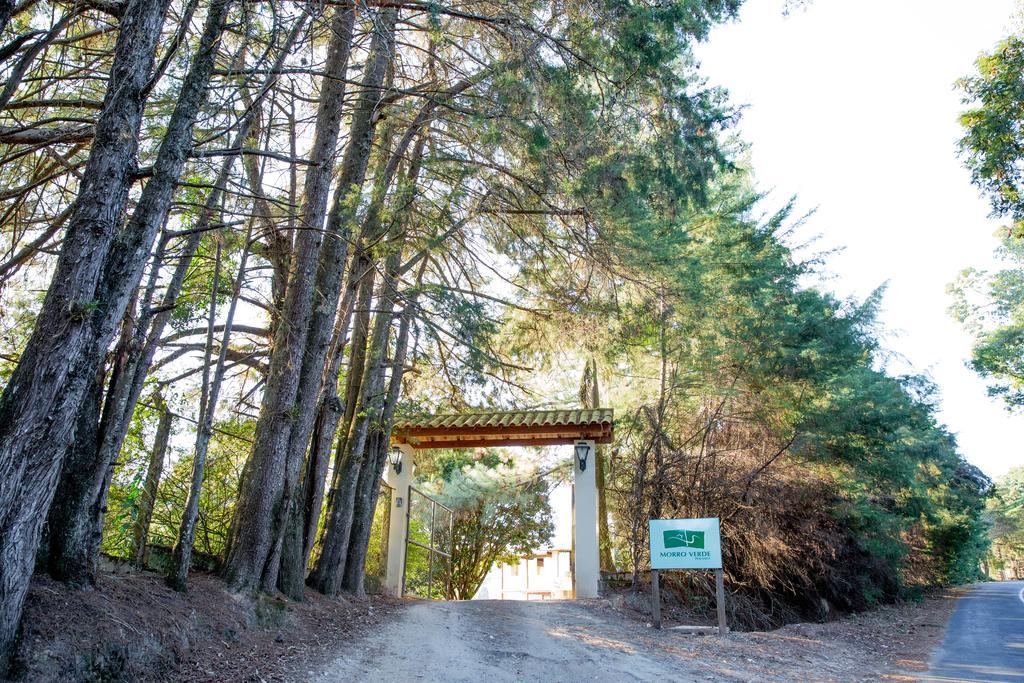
147 499
328 575
590 398
122 271
126 387
39 403
325 428
252 560
350 477
369 488
6 10
344 475
330 272
67 528
72 553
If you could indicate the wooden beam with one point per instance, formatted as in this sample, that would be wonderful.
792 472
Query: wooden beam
481 431
604 434
499 442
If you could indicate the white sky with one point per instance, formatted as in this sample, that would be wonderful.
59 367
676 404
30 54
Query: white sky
851 107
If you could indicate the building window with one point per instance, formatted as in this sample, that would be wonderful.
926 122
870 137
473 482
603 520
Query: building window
540 564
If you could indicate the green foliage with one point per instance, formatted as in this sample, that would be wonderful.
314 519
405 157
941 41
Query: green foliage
578 200
991 306
447 464
228 450
191 307
127 483
993 142
229 447
467 322
500 511
744 395
1006 526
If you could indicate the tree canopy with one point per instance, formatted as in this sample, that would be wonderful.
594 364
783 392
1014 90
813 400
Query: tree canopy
993 143
991 306
238 239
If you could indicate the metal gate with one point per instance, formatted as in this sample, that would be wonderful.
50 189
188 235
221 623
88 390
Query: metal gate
424 520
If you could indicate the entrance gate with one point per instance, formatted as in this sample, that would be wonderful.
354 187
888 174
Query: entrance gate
581 429
431 512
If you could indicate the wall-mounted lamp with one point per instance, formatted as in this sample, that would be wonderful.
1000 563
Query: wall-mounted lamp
395 457
582 451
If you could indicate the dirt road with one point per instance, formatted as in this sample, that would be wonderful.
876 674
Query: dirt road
494 641
499 641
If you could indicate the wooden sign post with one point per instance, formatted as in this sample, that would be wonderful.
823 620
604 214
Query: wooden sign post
655 598
720 601
686 544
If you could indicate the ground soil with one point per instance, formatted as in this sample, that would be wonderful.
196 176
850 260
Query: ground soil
604 640
889 642
132 627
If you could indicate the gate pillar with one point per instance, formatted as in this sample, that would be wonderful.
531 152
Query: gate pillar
399 483
587 562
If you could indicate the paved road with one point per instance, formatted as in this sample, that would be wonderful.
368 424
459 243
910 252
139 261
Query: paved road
985 636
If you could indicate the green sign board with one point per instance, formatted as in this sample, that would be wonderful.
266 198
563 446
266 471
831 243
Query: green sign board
686 544
683 538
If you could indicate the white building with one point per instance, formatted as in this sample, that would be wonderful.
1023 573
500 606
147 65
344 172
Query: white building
543 575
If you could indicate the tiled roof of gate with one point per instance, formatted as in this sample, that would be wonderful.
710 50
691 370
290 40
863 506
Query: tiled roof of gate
510 418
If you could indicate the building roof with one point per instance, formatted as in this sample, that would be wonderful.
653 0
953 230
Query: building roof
505 428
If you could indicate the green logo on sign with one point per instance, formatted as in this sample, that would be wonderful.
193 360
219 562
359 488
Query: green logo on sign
683 538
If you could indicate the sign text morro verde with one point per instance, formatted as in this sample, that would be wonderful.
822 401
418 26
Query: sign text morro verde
686 544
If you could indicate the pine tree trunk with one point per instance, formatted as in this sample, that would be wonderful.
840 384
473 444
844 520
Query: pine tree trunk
360 286
122 271
70 538
368 484
6 10
126 388
40 401
256 530
328 288
328 575
314 477
590 397
147 499
328 572
325 427
344 474
350 477
73 543
365 281
364 504
359 541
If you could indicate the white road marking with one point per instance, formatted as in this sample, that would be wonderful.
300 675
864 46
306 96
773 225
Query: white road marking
1021 595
